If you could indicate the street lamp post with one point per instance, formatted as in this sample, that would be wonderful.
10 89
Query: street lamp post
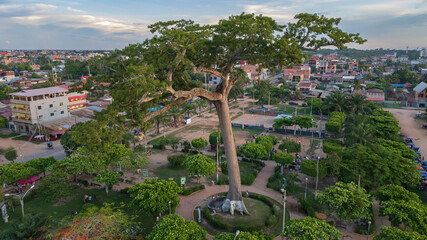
284 210
369 226
170 211
317 178
21 199
237 233
305 193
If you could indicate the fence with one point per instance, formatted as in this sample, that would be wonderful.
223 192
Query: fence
275 113
281 130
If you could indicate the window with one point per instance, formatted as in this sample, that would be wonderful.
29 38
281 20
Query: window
39 107
60 104
51 105
62 112
52 114
40 117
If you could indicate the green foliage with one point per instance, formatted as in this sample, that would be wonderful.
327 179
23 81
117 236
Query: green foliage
200 165
308 208
290 146
329 147
10 154
378 164
216 223
310 228
309 167
199 143
315 104
270 138
305 121
335 122
54 187
283 158
392 233
108 177
41 163
385 124
4 91
188 191
152 196
254 150
129 160
336 102
32 226
12 172
67 141
176 161
244 236
402 206
3 122
347 200
164 141
268 146
174 227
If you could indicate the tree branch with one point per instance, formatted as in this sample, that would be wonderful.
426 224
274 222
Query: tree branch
208 70
195 92
166 108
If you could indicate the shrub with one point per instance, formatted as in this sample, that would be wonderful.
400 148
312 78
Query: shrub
224 168
176 161
309 167
309 210
249 179
271 221
291 146
329 147
188 191
222 180
206 213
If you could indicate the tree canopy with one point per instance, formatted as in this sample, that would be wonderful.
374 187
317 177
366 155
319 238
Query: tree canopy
153 196
200 165
174 227
309 228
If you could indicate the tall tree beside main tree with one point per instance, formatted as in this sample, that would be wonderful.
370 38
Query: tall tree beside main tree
155 72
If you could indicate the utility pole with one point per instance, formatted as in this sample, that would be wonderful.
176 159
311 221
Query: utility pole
268 99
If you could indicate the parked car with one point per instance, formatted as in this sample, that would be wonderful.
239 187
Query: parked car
283 101
293 103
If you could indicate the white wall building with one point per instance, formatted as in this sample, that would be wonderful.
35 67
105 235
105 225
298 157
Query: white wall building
38 106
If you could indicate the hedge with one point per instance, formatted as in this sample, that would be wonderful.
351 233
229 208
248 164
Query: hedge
206 213
309 167
309 210
176 161
329 147
291 146
188 191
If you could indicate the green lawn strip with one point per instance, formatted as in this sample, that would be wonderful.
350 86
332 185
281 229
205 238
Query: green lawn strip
20 137
36 204
167 172
237 115
250 131
2 135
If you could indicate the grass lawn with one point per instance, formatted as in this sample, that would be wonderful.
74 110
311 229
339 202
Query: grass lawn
167 172
237 115
20 137
36 204
250 131
392 105
291 109
2 135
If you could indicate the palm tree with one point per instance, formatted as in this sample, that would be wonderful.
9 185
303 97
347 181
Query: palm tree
159 119
175 112
200 103
29 227
336 101
358 104
358 130
188 109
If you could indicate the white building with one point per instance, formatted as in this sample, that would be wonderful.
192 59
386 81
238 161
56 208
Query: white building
41 106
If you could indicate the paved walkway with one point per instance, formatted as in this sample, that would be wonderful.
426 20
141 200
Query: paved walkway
189 203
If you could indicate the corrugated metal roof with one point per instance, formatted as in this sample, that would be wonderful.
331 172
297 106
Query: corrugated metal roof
40 91
420 87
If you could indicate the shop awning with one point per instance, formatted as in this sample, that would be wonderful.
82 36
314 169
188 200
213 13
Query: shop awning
77 97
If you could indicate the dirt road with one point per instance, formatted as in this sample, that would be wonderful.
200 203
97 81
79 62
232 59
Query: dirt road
411 128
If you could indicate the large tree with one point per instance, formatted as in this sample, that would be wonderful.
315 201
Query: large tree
310 228
174 227
156 71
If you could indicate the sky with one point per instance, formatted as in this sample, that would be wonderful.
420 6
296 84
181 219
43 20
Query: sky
114 24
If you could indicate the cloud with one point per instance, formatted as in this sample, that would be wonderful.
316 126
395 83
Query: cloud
74 10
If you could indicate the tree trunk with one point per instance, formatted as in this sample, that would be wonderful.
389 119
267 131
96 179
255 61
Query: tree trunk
106 189
234 199
158 127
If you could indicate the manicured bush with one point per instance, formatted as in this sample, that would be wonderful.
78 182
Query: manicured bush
271 221
309 167
206 213
249 179
188 191
329 148
309 210
335 122
291 146
176 161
